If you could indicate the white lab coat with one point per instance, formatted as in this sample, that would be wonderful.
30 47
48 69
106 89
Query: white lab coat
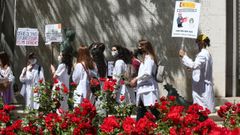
202 85
80 77
119 70
63 78
147 87
29 81
7 94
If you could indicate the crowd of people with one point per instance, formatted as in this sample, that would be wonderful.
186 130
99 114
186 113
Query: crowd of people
138 66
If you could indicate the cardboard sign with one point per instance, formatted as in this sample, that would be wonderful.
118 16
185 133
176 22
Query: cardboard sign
27 37
53 33
186 19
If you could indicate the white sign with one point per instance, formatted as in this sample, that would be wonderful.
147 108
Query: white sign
53 33
27 37
186 19
110 68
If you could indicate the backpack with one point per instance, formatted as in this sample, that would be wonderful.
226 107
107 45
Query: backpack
159 75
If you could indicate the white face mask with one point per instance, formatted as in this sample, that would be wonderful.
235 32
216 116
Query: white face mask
33 61
114 53
59 58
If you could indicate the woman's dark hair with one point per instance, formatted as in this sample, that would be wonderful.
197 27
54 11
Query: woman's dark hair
207 41
4 58
31 55
203 38
123 53
67 59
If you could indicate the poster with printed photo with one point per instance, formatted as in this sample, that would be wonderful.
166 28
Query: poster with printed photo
53 33
186 19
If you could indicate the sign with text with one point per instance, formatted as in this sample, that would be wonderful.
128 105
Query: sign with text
186 19
53 33
110 68
27 37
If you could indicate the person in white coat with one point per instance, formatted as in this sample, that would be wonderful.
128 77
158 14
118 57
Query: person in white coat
84 68
202 85
62 74
122 58
6 78
30 77
147 87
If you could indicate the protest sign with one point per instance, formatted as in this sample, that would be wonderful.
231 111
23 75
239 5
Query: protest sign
110 68
53 33
27 37
186 19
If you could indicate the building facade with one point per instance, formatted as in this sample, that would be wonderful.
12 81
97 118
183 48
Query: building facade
125 22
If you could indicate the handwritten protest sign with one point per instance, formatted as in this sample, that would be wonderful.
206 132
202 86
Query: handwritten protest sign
186 19
53 33
27 37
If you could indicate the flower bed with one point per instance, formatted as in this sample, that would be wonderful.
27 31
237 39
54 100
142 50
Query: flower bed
86 119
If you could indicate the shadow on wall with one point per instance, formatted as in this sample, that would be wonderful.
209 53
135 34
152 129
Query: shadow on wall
110 22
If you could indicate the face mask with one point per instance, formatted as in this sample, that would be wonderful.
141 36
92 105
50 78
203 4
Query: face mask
59 59
114 53
33 61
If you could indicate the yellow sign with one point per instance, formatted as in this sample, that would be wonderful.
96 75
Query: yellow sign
187 4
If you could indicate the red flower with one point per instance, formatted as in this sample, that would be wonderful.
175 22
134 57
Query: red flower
222 111
17 124
8 107
122 97
194 108
102 79
60 110
172 98
64 125
109 85
150 116
191 119
4 117
163 99
40 81
109 124
36 89
172 131
55 80
232 121
145 126
175 113
73 84
129 125
57 88
65 89
94 82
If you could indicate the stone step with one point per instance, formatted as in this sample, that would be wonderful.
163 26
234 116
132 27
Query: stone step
221 100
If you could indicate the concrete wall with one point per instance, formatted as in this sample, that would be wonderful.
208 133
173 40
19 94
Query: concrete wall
213 23
125 22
